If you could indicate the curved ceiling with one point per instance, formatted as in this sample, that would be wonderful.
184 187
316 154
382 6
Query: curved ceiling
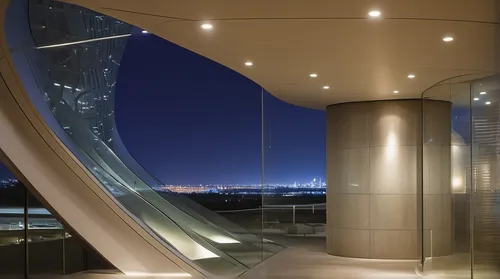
358 57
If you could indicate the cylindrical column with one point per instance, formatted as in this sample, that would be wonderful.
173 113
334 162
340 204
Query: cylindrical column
372 178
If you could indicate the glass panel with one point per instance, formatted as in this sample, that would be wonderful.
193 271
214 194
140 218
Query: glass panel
486 176
51 249
205 142
12 249
472 143
460 262
294 190
45 239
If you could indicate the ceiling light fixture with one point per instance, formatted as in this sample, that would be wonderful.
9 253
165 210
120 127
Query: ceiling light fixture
144 32
482 93
411 76
249 63
374 13
488 103
448 39
326 87
395 91
207 26
313 75
476 99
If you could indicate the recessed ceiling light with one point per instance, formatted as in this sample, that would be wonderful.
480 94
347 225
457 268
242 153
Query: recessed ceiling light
144 32
411 76
326 87
249 63
488 103
448 39
207 26
482 93
313 75
374 13
395 91
476 99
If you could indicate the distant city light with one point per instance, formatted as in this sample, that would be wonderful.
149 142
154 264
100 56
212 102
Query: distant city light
144 32
313 187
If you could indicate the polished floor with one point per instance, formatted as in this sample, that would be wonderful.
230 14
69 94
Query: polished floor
305 258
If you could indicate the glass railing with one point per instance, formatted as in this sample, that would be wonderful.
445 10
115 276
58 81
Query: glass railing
289 219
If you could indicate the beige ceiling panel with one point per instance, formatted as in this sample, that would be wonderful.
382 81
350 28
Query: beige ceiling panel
470 10
358 58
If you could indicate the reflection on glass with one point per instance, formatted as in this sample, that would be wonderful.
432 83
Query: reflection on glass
51 248
485 175
45 239
11 228
473 176
294 188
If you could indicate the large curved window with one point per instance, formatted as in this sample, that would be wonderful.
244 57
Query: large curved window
68 58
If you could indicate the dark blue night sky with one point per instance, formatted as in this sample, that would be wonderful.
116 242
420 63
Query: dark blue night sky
4 172
190 120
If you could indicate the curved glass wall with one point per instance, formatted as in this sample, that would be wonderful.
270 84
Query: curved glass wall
68 59
294 187
463 183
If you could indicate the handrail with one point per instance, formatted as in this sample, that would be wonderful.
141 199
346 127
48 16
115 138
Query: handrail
316 206
294 205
